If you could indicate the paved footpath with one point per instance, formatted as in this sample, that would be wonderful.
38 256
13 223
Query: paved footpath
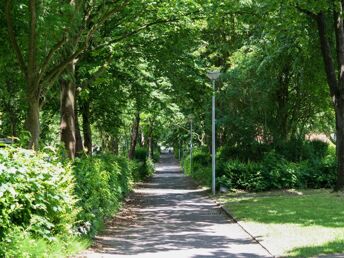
169 216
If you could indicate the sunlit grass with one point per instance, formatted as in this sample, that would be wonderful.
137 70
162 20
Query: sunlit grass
24 245
292 223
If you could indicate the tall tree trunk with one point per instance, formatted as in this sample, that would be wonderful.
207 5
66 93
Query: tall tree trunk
134 135
10 108
78 145
68 116
340 143
114 145
282 96
32 123
86 126
143 139
335 82
150 141
34 91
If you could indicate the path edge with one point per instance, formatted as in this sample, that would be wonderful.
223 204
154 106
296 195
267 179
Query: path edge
229 214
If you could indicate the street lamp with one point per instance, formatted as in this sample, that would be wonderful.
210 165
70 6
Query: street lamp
213 76
190 118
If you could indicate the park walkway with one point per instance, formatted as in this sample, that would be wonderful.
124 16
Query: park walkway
168 216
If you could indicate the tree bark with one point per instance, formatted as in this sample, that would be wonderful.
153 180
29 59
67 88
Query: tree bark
143 139
10 108
150 141
340 144
282 98
68 117
134 136
32 123
335 82
114 145
78 145
86 126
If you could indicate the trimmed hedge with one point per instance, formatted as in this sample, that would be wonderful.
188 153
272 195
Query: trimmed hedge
272 171
101 183
44 204
36 196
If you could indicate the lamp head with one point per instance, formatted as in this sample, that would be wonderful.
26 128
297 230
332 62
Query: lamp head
191 117
213 75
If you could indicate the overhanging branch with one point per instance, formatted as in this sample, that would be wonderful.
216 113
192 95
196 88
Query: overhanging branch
12 37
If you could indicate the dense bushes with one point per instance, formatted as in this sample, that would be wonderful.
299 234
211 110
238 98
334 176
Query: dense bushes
101 183
201 169
313 166
36 197
45 205
145 165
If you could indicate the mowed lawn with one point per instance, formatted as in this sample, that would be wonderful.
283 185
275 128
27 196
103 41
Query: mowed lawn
293 223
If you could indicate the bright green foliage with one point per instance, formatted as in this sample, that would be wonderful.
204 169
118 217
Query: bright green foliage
44 205
36 195
149 168
22 244
145 165
101 184
201 166
314 167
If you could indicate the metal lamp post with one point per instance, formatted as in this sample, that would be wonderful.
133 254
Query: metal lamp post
213 76
191 118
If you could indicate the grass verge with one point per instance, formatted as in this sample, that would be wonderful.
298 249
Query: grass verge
292 223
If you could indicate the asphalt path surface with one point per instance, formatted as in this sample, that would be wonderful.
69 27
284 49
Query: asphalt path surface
169 216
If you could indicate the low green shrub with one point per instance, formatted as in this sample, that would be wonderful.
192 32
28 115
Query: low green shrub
271 171
278 173
149 167
141 154
245 175
156 155
319 173
101 183
201 166
36 196
297 150
250 152
21 243
46 205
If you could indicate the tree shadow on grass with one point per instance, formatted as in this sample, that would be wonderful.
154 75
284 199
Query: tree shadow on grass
327 248
313 209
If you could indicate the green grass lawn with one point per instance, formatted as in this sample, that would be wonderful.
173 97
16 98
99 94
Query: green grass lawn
292 223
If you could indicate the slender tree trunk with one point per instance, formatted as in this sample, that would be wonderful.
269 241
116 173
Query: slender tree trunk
32 123
78 146
340 143
10 108
335 82
114 145
282 96
143 139
134 135
68 117
86 126
150 141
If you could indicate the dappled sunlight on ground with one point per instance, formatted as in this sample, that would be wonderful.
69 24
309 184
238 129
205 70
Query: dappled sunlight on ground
170 217
280 239
292 222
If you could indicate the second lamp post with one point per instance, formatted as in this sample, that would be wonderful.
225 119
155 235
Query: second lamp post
213 76
191 118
